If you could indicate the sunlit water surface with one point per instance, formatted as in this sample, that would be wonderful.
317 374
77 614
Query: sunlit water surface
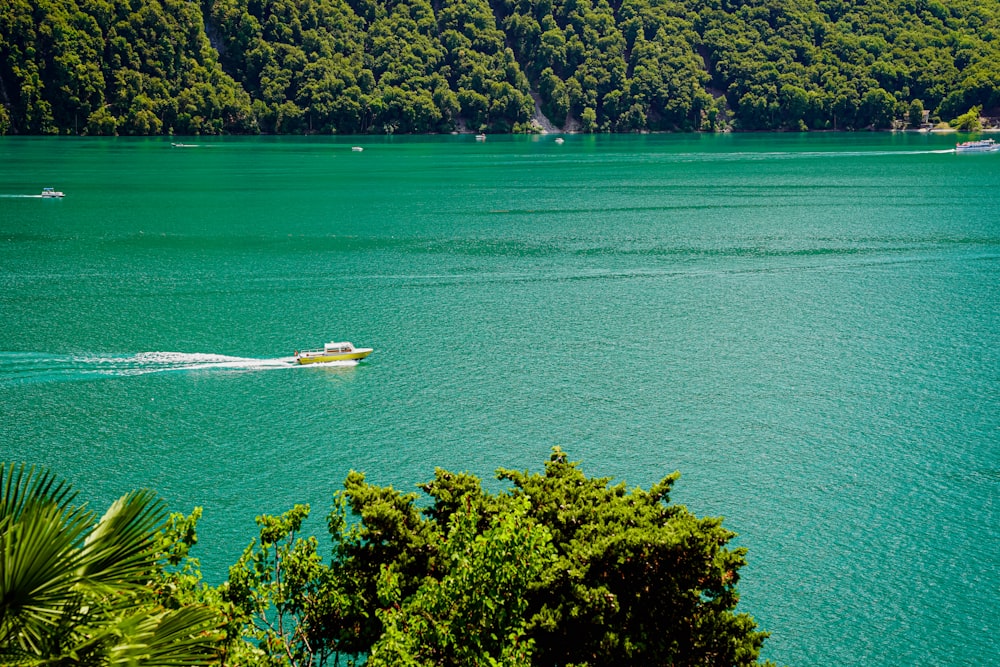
807 327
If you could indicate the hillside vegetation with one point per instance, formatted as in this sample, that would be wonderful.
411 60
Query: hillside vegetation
422 66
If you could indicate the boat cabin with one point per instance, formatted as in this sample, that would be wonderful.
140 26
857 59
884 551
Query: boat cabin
337 348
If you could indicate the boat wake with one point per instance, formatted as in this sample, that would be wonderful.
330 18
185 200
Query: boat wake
31 367
764 156
159 362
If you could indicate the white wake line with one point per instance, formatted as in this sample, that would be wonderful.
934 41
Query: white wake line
163 362
793 155
858 153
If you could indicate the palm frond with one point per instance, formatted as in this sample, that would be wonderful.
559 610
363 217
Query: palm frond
21 486
185 637
121 550
40 534
73 591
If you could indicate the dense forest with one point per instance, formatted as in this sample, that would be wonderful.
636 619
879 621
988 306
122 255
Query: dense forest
559 570
105 67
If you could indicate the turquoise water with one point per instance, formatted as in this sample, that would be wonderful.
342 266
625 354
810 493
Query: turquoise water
807 327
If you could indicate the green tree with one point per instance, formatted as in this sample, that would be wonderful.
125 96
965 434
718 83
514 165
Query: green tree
634 580
473 614
878 108
969 121
638 581
101 122
4 120
915 113
288 601
76 591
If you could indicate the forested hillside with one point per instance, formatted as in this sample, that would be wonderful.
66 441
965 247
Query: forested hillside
419 66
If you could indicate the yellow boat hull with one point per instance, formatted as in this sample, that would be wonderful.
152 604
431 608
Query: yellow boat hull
325 358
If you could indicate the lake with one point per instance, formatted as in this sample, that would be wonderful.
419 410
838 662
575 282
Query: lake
806 326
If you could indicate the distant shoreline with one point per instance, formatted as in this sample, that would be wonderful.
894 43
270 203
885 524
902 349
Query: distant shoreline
575 132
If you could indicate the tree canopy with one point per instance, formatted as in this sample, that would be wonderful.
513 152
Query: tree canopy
557 569
417 66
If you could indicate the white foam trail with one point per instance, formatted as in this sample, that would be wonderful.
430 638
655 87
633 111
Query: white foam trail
882 153
793 155
22 367
161 362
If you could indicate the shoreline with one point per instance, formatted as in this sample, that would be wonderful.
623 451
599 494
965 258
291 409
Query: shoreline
556 132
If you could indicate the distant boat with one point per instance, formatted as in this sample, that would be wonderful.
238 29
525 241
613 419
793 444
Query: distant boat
332 352
357 149
175 145
559 140
480 137
979 146
51 193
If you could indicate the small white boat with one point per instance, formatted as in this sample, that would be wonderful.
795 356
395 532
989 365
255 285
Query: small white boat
51 193
480 137
979 146
559 140
357 149
332 352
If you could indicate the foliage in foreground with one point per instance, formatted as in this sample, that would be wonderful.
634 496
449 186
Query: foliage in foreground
559 569
76 592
